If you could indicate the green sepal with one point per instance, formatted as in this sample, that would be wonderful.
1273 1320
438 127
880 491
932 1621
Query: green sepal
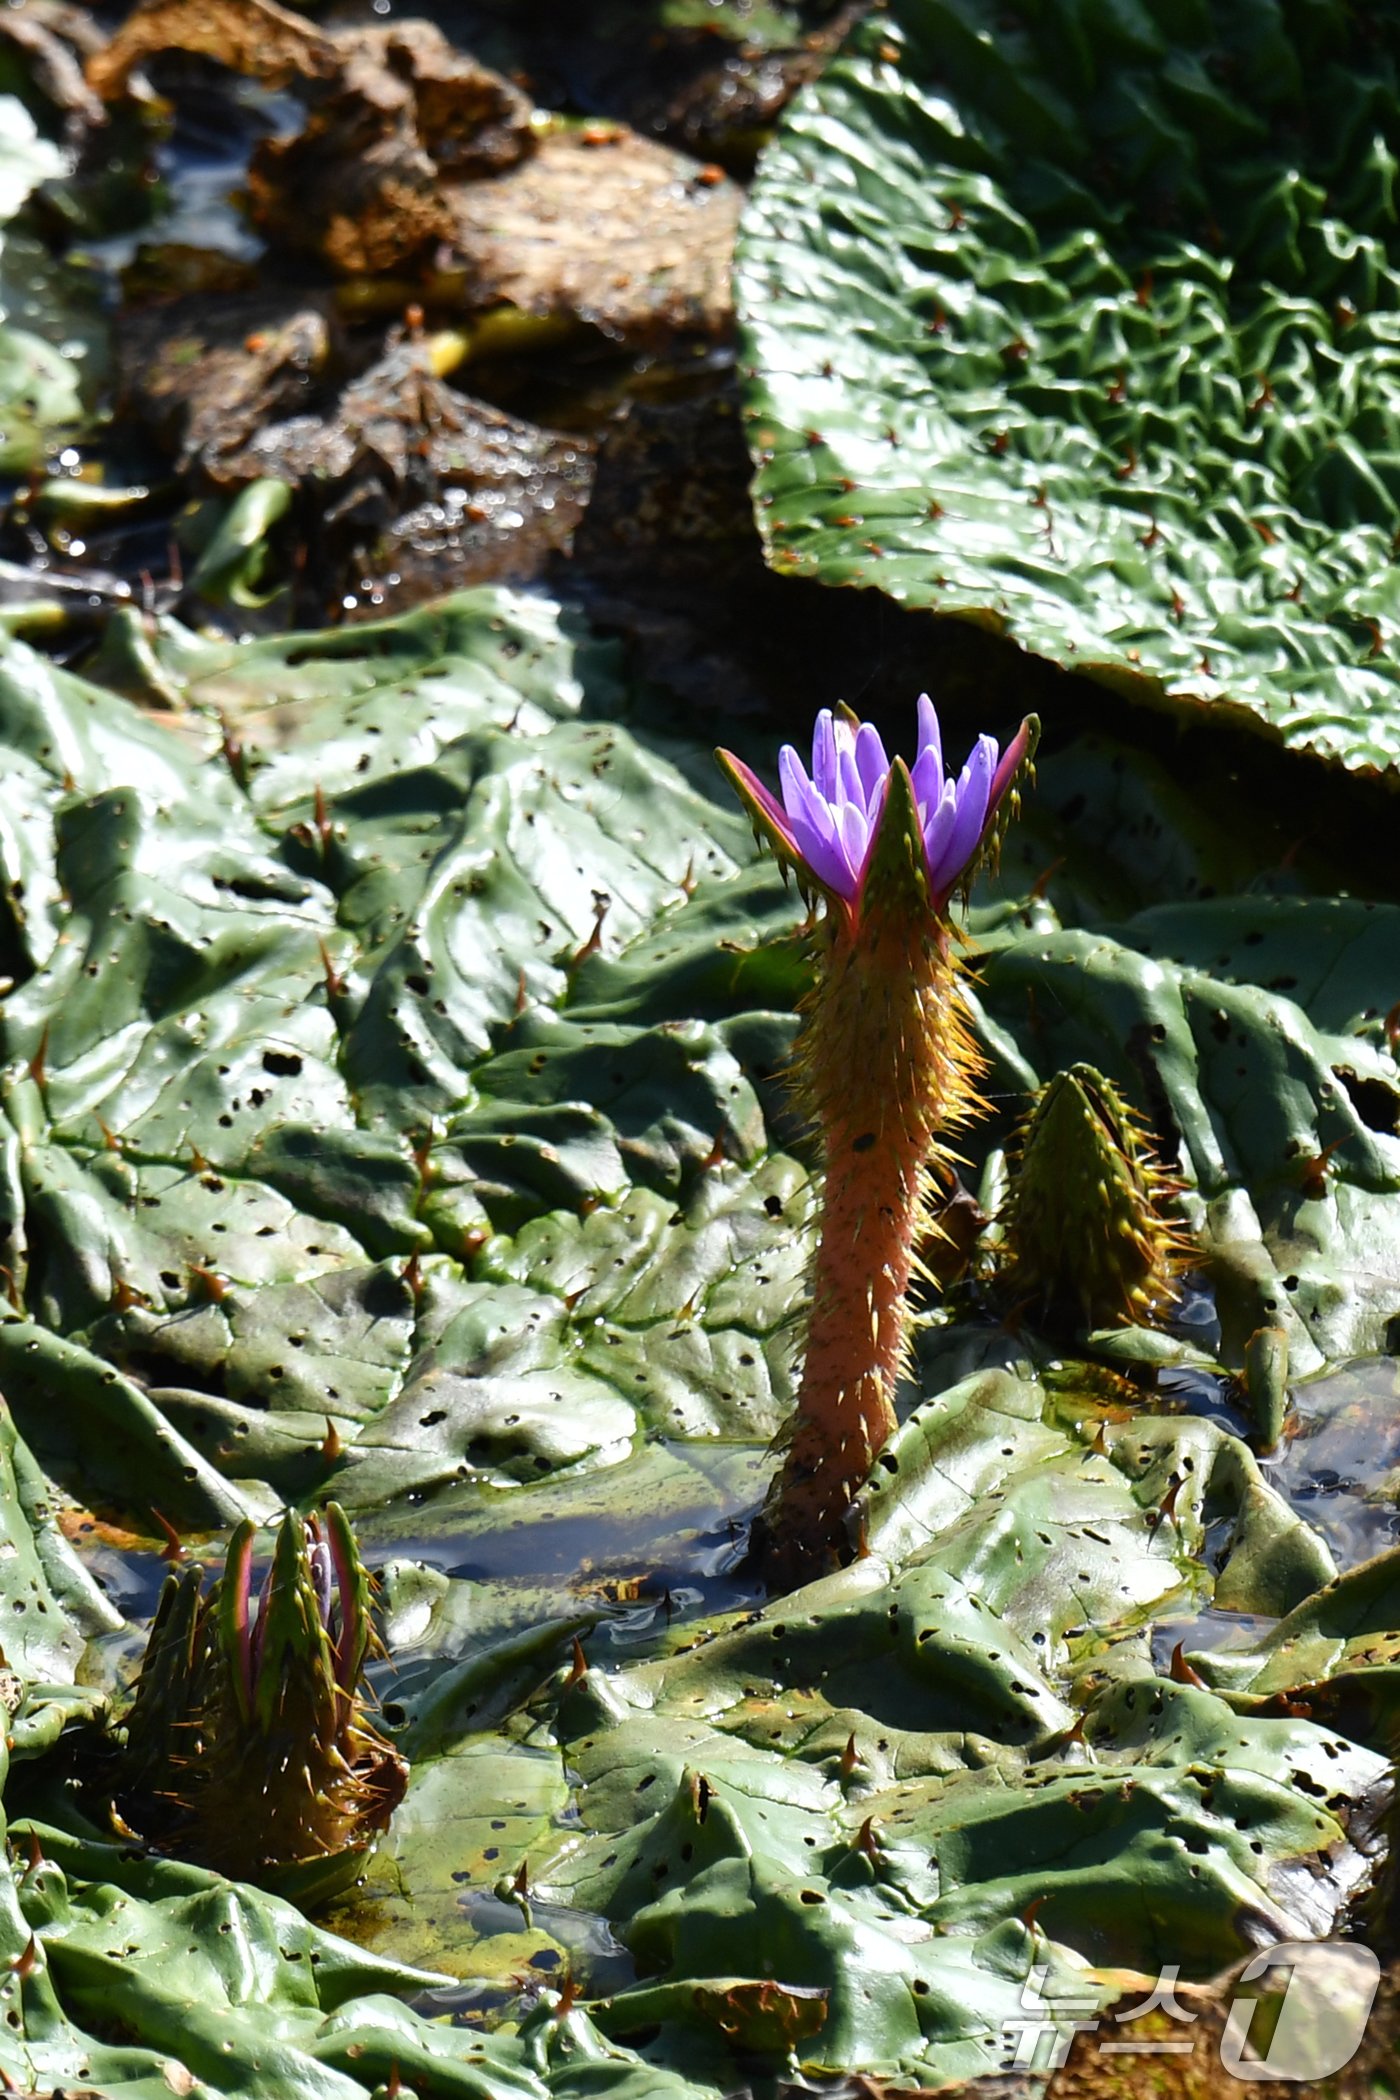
353 1587
294 1649
164 1709
896 868
232 1629
770 825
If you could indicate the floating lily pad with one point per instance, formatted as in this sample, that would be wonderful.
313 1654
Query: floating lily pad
741 1815
259 1119
219 1985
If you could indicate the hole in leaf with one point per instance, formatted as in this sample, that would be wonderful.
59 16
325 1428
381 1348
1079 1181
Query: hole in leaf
1375 1100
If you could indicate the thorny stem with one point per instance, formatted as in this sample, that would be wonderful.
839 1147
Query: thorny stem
885 1064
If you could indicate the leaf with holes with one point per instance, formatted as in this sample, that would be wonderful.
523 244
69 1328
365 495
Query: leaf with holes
231 1990
317 1003
866 1788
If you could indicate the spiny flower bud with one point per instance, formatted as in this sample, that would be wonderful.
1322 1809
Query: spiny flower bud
247 1746
1085 1230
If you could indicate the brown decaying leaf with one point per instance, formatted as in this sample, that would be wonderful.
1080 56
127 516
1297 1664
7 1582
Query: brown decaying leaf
624 235
393 112
256 37
175 269
364 198
420 432
411 478
440 490
204 374
411 147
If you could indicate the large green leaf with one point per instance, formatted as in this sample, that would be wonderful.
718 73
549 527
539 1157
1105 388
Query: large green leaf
864 1788
261 1111
1080 324
148 1977
1336 1654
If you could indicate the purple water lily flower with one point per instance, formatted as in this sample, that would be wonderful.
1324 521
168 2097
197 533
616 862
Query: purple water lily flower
827 820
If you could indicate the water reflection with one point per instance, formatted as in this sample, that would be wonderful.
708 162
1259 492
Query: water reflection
1339 1464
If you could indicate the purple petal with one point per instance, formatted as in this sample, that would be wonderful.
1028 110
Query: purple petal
930 736
877 803
938 824
973 792
805 804
849 785
871 762
321 1575
824 755
348 1651
824 854
792 775
258 1639
927 776
854 834
808 811
239 1577
813 822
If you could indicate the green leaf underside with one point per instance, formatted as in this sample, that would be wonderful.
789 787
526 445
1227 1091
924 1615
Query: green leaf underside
1081 327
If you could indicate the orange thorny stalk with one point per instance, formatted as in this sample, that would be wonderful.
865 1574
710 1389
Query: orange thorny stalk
885 1065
